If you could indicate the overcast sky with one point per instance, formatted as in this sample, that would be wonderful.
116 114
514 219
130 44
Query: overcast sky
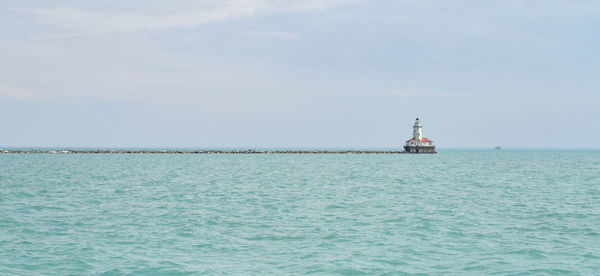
299 73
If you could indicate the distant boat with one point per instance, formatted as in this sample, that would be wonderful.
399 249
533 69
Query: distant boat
498 148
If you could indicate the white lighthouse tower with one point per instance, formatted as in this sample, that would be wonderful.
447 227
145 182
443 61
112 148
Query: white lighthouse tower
418 130
418 143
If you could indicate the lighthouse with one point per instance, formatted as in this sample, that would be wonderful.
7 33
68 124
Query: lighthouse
418 143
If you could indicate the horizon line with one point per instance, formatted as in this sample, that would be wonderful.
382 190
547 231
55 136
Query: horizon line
277 148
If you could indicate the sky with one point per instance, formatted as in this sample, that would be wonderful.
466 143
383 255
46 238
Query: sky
299 73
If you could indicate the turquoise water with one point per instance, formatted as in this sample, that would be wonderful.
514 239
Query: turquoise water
456 212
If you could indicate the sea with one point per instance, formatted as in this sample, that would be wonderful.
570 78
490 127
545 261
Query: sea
458 212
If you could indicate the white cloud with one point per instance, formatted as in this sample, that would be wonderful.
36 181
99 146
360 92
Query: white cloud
14 92
89 21
386 93
395 93
204 83
276 35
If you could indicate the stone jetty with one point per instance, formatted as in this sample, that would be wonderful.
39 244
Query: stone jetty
152 151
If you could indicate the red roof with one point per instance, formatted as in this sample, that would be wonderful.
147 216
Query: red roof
423 140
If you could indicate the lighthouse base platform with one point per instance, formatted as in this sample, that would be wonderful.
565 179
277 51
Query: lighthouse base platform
419 149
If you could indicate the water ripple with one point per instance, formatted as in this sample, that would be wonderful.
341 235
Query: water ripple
457 212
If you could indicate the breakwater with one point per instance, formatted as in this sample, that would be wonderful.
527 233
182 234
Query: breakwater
250 151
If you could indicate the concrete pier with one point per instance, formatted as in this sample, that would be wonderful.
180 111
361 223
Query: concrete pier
250 151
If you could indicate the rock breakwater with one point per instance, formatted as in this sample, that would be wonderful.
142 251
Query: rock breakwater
121 151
